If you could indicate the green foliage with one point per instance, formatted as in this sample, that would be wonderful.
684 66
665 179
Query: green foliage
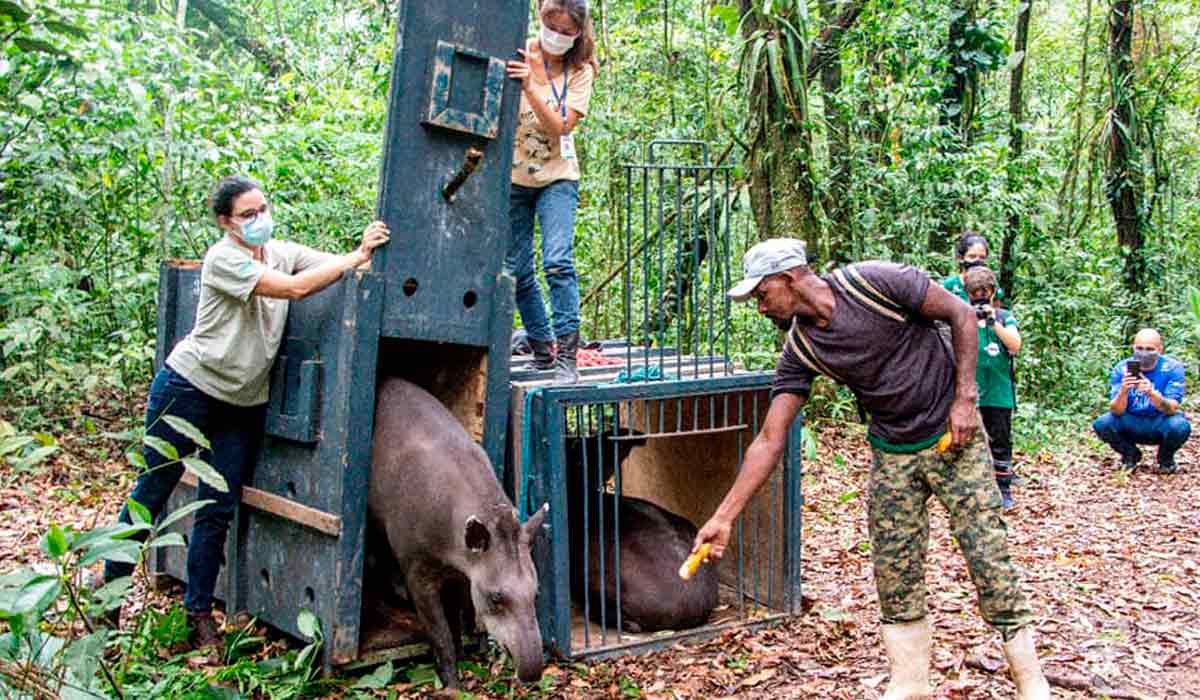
114 123
55 633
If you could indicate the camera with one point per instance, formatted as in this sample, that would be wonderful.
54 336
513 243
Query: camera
982 310
1134 368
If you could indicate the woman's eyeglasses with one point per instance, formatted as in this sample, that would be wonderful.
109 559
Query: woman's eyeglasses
249 215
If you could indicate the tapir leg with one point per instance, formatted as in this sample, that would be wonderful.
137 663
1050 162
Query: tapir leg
454 593
425 589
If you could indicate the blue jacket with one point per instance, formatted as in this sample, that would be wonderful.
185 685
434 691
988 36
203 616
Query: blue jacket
1167 378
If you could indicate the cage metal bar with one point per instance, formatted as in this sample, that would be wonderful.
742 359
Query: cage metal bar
678 320
696 283
756 515
741 561
645 268
616 455
553 488
725 268
658 277
676 166
793 512
676 142
601 485
627 282
682 433
771 533
587 598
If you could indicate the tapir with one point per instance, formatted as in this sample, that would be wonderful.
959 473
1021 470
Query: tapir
451 529
654 542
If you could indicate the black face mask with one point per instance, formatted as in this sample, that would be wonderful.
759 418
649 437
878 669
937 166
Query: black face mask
968 264
979 303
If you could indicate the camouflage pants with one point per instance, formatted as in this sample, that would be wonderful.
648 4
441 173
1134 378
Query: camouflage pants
898 520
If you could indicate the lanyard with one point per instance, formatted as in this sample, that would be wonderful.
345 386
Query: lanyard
562 101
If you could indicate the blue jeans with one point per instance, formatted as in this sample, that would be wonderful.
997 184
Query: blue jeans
555 206
1125 432
235 433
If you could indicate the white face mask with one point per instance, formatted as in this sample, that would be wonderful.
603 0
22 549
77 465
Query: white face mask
554 43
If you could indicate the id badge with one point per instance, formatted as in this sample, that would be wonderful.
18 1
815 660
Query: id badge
566 146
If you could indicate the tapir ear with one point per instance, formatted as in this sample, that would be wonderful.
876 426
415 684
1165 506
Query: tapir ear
533 526
477 538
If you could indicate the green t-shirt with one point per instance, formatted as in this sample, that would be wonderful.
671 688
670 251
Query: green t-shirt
955 286
993 370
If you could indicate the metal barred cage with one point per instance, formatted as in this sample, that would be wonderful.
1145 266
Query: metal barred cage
634 458
677 446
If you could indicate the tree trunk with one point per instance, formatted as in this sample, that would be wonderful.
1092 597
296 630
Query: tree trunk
232 27
1016 148
837 200
957 110
782 189
778 153
1123 179
1066 193
828 45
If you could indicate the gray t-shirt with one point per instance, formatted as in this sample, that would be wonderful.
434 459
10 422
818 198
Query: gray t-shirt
229 352
901 371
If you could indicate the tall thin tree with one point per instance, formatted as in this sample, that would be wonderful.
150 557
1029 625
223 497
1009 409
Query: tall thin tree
1123 176
1016 147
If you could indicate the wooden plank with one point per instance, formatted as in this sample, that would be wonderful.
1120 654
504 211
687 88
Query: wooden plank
285 508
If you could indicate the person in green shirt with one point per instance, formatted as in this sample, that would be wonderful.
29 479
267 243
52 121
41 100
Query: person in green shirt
970 251
999 342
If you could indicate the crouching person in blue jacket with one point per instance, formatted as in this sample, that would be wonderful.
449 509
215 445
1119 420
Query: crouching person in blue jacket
1145 392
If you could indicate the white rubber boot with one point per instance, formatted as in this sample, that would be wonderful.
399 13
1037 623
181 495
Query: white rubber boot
1025 668
907 647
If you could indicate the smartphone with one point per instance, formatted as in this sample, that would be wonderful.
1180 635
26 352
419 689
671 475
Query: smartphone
1133 367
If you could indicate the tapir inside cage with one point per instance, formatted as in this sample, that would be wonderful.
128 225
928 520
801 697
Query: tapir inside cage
631 472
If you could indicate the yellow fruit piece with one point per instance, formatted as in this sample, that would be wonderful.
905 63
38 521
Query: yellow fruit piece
944 443
694 561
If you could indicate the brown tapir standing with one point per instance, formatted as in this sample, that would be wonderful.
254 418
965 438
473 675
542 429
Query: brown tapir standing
451 528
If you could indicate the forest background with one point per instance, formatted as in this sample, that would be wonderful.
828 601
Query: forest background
872 129
1064 132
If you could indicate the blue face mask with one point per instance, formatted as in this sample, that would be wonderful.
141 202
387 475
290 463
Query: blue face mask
258 232
1148 359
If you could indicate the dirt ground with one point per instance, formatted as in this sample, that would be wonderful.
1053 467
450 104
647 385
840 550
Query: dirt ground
1111 564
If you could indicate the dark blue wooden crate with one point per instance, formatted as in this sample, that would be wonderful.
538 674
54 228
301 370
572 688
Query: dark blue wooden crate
435 308
449 94
297 541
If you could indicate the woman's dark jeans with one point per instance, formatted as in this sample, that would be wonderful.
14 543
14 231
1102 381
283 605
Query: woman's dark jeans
235 433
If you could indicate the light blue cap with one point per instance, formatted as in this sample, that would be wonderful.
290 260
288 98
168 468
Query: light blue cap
770 257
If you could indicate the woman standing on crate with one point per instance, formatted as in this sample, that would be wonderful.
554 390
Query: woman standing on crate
556 71
216 378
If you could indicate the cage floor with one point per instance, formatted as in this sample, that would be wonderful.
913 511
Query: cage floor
385 626
630 359
588 637
392 631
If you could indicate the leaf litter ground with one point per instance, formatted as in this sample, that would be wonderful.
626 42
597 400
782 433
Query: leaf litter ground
1111 562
